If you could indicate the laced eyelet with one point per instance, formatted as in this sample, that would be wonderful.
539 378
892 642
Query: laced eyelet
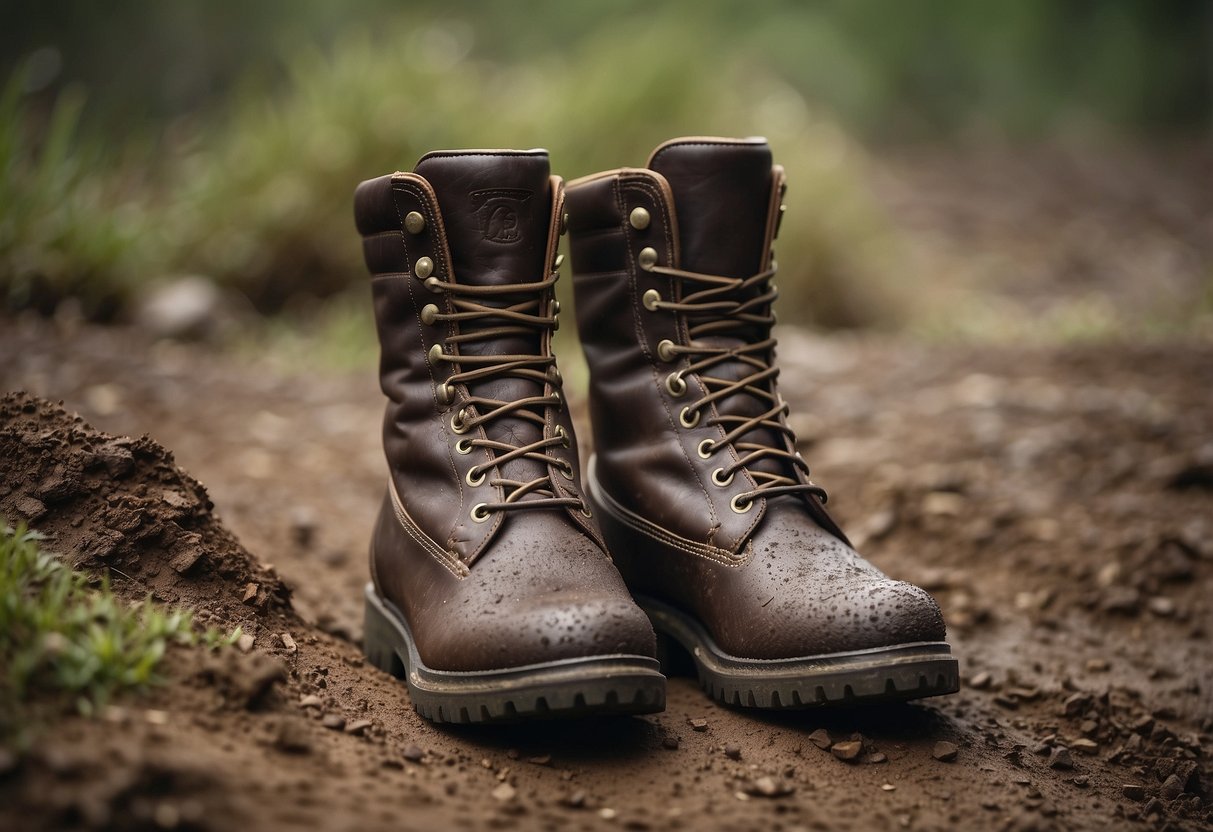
562 434
566 469
675 386
472 479
463 446
721 480
586 511
665 350
647 258
457 424
650 299
741 506
445 394
436 354
480 512
706 448
429 314
433 284
688 418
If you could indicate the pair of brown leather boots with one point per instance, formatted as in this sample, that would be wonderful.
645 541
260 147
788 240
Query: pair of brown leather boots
507 586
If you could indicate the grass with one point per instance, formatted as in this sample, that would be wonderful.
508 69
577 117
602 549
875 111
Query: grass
65 640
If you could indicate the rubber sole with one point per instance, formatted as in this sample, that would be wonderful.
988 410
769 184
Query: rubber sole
579 687
882 674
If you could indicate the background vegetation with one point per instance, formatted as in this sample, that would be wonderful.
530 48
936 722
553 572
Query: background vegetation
139 141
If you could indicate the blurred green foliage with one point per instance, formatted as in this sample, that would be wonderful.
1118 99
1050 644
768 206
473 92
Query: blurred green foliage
225 139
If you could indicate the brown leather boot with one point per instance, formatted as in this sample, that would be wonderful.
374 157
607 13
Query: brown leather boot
492 591
705 504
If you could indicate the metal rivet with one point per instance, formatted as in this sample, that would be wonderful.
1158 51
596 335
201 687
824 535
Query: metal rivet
436 353
706 448
688 418
414 223
639 218
472 479
739 505
480 512
562 434
555 307
423 268
429 314
558 262
647 258
720 479
650 300
445 394
463 446
665 350
675 386
564 224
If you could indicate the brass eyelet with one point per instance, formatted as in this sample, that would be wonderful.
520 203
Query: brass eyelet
688 418
471 479
458 425
436 354
562 434
586 511
463 446
721 480
555 307
675 386
566 469
429 314
423 268
650 299
639 218
433 284
480 512
445 394
665 350
558 262
414 223
564 224
741 506
647 258
706 448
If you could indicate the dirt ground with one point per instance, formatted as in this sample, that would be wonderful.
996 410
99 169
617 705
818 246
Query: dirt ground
1057 501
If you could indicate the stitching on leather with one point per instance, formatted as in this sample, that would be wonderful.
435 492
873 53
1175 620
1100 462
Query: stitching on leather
654 532
453 565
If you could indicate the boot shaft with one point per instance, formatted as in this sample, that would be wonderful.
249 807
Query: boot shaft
462 255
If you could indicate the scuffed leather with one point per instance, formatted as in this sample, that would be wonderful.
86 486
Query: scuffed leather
524 587
781 580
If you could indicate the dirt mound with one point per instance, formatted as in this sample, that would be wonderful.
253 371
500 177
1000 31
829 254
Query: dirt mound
107 502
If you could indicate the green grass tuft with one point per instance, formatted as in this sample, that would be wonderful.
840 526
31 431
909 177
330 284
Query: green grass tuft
64 640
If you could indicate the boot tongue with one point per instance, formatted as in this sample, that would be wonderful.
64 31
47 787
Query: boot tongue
496 208
722 194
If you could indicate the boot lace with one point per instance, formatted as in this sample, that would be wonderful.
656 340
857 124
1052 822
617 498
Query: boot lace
734 306
526 312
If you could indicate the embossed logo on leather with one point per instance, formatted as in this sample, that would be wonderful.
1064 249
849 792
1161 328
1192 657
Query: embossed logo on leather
497 213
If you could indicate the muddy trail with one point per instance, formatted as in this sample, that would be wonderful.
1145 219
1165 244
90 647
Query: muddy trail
1058 503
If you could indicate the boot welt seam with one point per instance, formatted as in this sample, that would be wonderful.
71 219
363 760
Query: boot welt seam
652 531
455 566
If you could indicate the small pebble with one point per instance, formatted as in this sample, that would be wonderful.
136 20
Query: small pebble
414 754
981 681
847 751
945 751
732 751
334 722
699 724
1061 759
821 739
358 727
503 792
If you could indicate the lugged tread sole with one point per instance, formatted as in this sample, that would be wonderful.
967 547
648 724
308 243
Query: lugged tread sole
885 674
591 686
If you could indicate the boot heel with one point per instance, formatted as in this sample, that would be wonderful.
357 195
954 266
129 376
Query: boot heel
379 638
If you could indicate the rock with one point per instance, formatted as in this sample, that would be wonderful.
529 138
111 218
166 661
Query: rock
288 642
1161 606
1076 704
1121 600
670 742
1061 759
945 752
188 307
311 701
1098 665
504 792
981 681
576 800
821 739
1171 788
1085 746
848 751
875 758
413 753
698 724
769 787
292 737
334 722
888 787
732 751
250 593
245 642
359 727
540 760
